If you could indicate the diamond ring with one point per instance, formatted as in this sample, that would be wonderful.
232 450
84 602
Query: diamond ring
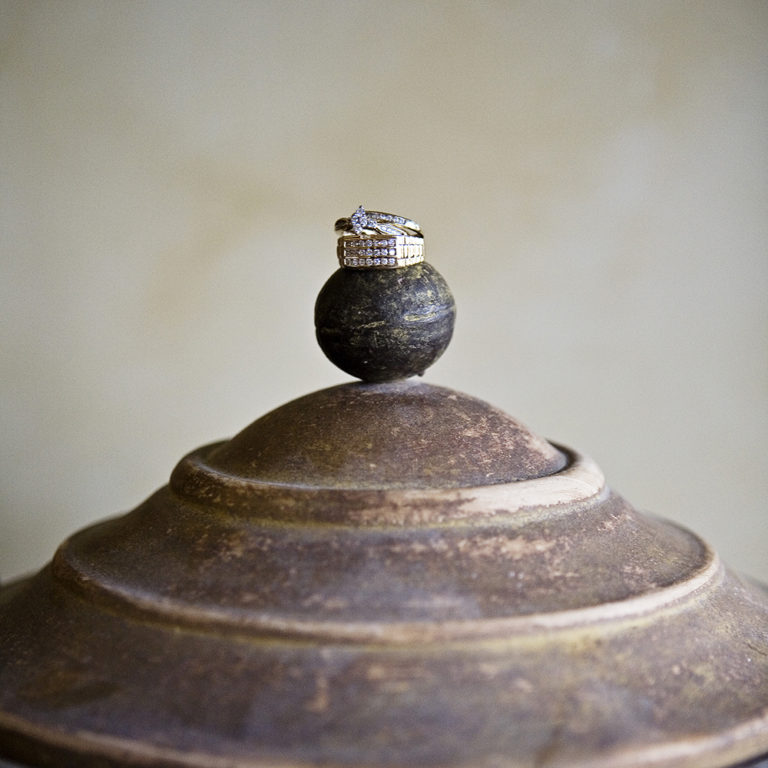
380 251
362 221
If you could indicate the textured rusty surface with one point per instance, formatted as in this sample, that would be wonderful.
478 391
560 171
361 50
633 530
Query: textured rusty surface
404 434
366 578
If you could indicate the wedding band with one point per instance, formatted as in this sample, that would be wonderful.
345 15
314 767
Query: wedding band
380 251
362 221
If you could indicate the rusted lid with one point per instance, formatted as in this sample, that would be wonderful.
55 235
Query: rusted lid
405 434
384 574
246 619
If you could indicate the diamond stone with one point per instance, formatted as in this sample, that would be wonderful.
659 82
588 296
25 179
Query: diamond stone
359 220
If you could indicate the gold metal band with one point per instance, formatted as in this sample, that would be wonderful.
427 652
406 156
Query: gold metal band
380 251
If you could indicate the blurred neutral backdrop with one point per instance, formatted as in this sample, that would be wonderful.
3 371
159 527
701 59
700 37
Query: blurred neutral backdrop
592 179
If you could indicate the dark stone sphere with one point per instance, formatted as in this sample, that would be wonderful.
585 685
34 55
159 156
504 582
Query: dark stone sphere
385 324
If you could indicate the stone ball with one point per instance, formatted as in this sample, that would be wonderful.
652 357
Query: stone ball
385 324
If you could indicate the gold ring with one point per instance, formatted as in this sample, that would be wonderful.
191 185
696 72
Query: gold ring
380 251
362 221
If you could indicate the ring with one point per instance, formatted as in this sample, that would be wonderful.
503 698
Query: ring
380 251
377 221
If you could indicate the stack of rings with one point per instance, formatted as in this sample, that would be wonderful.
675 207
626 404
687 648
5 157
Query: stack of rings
376 240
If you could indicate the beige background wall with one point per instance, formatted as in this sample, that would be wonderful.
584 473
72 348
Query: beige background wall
591 176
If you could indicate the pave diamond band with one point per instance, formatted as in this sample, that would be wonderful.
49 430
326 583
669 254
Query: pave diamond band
380 251
362 221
